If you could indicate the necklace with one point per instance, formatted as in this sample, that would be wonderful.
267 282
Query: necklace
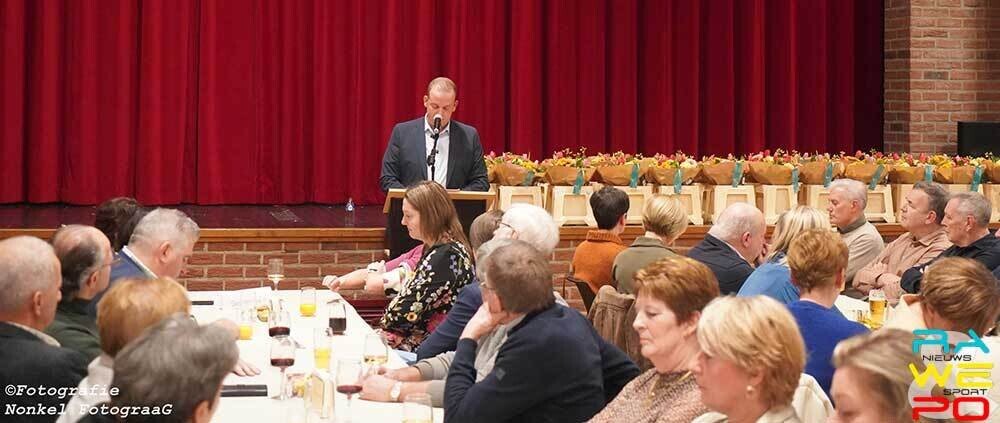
668 385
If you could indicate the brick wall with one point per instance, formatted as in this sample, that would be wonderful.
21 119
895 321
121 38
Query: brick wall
942 66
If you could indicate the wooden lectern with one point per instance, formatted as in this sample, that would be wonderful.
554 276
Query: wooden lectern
468 204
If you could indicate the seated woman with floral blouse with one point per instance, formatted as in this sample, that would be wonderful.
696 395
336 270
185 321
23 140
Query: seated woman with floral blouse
445 267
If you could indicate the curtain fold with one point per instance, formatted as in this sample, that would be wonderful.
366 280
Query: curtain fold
283 102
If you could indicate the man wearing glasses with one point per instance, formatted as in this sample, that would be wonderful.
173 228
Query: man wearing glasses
434 147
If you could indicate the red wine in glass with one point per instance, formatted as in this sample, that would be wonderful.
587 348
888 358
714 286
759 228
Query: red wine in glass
282 362
338 325
279 331
349 389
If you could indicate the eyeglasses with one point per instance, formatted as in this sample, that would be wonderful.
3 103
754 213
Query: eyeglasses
513 231
483 285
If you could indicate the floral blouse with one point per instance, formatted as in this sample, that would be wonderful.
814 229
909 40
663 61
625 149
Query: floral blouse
425 299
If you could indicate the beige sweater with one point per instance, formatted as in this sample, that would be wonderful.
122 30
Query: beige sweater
864 244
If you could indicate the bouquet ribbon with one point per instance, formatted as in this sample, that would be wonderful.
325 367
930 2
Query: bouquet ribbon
578 183
528 178
677 181
977 178
828 175
795 180
737 173
928 172
633 180
876 177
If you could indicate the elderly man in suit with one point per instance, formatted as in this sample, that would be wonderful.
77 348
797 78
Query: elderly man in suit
30 280
458 157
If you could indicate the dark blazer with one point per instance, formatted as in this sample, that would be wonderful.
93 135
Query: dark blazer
27 360
985 250
445 336
553 367
123 268
405 160
729 268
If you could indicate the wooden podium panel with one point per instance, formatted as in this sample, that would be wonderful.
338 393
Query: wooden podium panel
468 204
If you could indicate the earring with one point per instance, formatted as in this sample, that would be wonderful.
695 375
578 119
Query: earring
750 390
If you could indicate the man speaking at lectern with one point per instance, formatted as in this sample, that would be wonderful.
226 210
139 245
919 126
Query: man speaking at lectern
411 156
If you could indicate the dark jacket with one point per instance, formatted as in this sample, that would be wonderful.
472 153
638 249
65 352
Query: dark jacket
122 268
405 160
29 361
445 336
553 368
985 250
75 329
729 268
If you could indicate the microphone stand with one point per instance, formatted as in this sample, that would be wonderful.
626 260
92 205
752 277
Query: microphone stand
431 157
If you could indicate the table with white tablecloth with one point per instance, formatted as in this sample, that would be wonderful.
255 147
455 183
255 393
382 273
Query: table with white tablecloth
257 351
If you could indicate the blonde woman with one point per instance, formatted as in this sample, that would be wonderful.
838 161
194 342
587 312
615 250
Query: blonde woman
671 294
774 278
752 357
664 219
873 377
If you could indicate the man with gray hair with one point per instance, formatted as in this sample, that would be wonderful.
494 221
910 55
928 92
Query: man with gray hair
170 381
85 255
847 201
966 221
30 283
733 246
160 247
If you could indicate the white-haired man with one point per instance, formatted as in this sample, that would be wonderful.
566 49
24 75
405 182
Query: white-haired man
733 246
30 281
847 201
966 220
160 247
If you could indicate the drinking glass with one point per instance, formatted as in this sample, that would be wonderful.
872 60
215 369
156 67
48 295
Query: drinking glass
275 271
348 381
876 307
282 356
322 345
375 351
279 324
307 301
338 317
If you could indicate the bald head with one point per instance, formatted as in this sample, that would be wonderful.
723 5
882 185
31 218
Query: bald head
84 253
742 226
29 281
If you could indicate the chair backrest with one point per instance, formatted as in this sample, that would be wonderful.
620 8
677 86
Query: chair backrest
612 315
585 292
370 310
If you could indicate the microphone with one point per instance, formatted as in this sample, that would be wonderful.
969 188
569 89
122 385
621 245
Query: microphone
437 124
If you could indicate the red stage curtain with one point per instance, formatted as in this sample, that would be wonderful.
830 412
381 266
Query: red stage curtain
270 101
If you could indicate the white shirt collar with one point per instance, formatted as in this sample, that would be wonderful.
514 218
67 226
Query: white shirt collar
428 130
41 335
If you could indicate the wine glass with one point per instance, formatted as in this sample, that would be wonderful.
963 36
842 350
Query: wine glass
275 271
375 351
348 380
417 408
279 324
338 317
282 356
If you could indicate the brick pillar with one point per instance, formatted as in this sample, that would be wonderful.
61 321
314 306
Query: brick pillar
942 66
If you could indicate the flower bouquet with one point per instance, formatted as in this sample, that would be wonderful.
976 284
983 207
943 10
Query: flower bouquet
867 168
664 170
907 168
515 170
956 170
620 169
772 169
722 170
564 166
813 168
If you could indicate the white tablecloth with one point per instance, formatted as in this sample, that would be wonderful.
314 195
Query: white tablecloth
257 352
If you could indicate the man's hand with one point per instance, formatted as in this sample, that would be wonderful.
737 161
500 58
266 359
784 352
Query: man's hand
243 368
482 322
376 388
